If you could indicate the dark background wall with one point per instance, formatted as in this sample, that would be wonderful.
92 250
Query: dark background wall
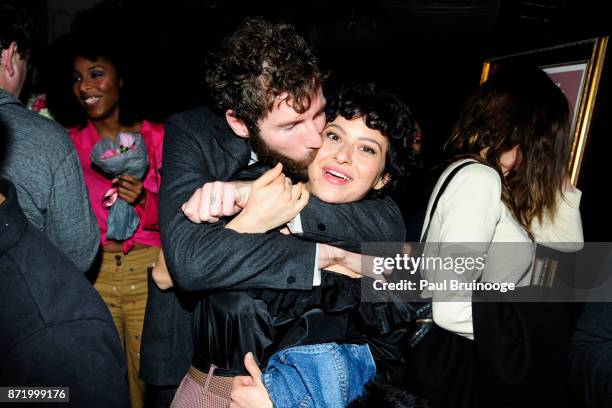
428 52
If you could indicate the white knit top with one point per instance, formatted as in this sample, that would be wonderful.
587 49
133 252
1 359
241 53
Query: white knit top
471 210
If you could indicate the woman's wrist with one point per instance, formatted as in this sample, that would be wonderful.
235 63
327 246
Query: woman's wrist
142 200
239 224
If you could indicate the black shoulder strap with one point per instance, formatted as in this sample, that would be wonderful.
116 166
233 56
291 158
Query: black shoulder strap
440 192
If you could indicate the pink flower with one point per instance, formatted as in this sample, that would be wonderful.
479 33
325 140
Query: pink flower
107 154
126 140
39 103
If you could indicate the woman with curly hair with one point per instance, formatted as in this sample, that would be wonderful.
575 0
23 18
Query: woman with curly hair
366 150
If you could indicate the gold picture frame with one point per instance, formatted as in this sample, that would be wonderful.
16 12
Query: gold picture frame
576 68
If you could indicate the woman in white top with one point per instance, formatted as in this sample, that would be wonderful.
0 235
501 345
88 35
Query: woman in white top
515 129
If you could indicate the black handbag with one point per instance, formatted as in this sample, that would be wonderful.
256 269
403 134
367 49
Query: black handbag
439 364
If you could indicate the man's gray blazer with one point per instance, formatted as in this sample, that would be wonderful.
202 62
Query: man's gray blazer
42 163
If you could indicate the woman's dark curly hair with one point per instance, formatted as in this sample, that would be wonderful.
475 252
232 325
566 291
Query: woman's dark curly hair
518 106
259 62
81 42
386 113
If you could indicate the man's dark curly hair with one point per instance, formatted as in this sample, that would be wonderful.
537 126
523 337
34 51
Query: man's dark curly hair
386 113
259 62
16 25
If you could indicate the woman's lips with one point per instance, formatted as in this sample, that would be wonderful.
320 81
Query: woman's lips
92 100
335 176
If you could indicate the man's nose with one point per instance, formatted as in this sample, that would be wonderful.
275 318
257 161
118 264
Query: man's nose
312 139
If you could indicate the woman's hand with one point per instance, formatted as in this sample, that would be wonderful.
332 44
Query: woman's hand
339 261
273 201
130 189
348 263
161 274
343 270
249 391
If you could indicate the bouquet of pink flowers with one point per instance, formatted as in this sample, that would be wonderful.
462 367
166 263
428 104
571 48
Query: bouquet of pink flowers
38 104
126 155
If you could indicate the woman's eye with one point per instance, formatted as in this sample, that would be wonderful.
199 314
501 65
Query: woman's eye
76 77
368 150
333 136
97 74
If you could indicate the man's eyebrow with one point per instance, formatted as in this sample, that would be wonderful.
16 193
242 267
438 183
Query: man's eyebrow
290 122
299 119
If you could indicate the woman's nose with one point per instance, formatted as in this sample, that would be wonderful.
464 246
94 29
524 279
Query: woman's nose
84 85
343 154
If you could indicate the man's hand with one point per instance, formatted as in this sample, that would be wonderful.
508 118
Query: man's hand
249 391
273 201
130 189
215 200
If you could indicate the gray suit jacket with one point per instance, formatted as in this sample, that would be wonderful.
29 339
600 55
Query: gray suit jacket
199 147
43 165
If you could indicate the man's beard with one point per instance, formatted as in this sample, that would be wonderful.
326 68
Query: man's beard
296 170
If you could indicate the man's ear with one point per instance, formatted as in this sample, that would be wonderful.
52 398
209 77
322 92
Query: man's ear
237 125
7 58
382 182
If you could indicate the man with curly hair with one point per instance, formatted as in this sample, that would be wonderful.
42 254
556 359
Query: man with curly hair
267 87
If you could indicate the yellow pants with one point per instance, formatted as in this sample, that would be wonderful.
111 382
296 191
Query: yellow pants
122 283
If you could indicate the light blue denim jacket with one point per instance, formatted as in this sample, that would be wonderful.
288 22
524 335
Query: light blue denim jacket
318 376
